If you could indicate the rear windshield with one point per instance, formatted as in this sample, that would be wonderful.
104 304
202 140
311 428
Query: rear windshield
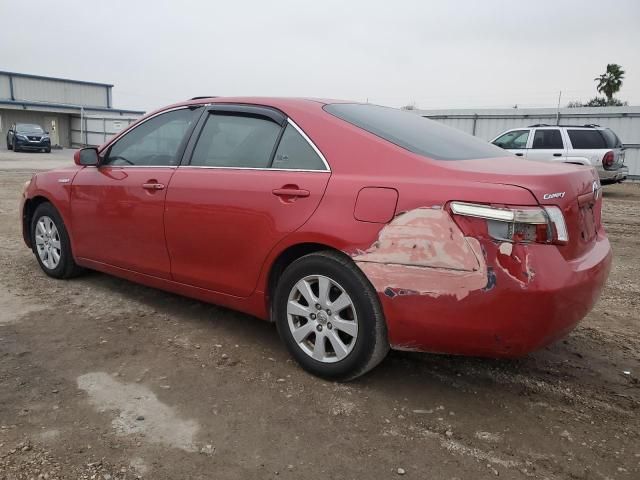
415 133
593 139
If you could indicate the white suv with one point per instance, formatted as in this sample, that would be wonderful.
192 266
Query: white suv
584 145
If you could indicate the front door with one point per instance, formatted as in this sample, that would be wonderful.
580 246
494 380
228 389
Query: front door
238 197
117 208
51 125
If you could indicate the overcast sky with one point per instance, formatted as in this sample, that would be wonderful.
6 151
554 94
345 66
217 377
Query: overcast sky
436 54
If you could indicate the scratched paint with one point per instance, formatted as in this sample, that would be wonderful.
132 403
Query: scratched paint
514 262
424 252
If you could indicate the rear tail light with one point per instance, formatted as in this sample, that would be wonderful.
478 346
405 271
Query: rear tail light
518 225
608 159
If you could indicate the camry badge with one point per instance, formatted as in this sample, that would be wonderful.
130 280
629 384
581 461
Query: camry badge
549 196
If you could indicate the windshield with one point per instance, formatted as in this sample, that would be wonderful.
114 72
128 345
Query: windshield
415 133
29 128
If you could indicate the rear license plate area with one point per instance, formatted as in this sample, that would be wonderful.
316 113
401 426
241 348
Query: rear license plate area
588 227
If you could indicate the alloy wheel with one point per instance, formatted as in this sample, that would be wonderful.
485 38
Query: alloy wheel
48 242
322 318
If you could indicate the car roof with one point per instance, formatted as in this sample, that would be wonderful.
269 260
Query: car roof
591 126
281 103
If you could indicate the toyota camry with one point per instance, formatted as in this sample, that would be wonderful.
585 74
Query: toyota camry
355 228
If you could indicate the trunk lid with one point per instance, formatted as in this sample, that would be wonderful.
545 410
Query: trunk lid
574 189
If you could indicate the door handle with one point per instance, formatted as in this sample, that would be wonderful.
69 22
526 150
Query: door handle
153 186
290 192
557 154
519 154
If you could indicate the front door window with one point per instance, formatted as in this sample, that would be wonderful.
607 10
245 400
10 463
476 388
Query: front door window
154 142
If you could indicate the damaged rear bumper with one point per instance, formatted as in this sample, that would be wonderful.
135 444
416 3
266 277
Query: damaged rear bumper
510 313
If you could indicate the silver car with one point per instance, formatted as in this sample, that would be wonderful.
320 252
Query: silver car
591 145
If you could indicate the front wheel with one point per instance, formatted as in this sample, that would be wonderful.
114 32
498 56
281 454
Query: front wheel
329 317
50 243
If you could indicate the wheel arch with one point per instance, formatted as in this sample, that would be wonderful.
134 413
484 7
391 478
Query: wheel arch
30 206
285 258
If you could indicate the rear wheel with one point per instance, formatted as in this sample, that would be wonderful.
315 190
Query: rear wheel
329 316
50 243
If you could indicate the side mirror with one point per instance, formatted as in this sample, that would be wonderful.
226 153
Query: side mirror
87 157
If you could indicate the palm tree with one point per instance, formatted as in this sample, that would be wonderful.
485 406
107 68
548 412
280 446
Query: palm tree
610 81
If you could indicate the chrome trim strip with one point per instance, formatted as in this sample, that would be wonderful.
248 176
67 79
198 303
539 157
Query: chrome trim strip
265 169
136 166
313 145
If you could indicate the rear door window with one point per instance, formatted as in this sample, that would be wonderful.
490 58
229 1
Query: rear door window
516 139
236 141
547 139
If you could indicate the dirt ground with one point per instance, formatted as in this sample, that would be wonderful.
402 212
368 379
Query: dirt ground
104 379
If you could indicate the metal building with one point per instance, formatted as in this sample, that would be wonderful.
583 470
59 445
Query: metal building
74 112
488 123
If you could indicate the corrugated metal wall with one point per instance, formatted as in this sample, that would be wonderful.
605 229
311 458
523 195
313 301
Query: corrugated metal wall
5 89
487 124
97 129
55 91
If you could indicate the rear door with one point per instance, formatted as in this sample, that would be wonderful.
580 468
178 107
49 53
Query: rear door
251 177
547 145
515 141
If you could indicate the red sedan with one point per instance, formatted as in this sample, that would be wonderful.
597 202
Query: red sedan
355 228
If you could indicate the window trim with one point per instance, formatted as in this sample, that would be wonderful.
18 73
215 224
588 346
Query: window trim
239 111
181 148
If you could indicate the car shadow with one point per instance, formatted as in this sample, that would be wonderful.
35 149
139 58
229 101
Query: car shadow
576 364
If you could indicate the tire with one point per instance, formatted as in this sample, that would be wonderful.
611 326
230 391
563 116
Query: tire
57 239
362 351
48 150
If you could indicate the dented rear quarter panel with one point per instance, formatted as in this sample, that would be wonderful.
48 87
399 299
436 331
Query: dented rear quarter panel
442 291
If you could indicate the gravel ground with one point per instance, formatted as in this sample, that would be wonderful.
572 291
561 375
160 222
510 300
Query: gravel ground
104 379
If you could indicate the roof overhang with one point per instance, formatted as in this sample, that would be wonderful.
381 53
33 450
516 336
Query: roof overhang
63 108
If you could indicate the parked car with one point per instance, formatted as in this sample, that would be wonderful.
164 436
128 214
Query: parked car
580 144
353 227
28 136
